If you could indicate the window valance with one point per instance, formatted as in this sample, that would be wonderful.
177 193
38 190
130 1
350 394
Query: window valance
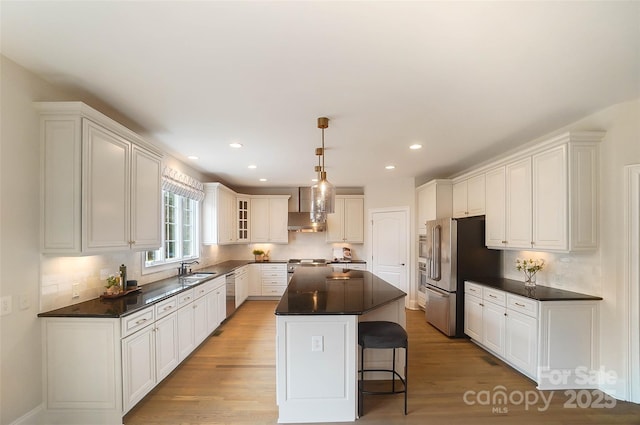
181 184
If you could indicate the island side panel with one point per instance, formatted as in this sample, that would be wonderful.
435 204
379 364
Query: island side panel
316 368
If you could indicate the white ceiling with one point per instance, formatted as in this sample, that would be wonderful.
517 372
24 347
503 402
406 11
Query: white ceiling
465 79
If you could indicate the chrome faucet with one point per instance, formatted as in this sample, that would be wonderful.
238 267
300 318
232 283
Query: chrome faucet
182 270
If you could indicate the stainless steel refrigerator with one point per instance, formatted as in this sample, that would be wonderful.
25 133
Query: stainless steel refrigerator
456 252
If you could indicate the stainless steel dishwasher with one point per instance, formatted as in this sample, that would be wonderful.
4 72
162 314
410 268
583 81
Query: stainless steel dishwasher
231 293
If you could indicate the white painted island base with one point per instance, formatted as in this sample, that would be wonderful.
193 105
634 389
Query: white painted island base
317 364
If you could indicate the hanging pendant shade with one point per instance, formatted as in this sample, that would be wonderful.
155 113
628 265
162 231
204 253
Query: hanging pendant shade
323 193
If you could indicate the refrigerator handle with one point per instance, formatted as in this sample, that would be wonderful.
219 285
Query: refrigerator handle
437 252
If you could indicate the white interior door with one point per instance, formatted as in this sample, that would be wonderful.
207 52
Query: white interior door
389 249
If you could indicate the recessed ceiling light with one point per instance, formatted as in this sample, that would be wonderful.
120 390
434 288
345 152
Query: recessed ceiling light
235 145
252 166
263 180
390 167
415 146
193 157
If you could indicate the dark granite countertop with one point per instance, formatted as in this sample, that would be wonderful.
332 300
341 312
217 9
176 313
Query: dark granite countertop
323 291
347 262
147 295
539 292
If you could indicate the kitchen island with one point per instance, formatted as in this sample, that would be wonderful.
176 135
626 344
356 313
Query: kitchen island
316 341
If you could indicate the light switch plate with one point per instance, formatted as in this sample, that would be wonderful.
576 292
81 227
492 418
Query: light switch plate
317 343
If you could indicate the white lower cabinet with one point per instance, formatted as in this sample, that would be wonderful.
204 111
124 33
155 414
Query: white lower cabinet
242 285
216 300
116 362
521 341
542 339
267 279
138 366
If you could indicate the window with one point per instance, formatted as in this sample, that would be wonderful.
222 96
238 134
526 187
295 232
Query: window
180 231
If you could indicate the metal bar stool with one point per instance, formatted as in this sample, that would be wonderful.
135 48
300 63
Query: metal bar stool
382 334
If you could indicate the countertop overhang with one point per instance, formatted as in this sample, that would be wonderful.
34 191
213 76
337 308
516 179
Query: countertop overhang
325 291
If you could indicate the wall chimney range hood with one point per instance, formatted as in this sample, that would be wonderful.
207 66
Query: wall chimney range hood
300 212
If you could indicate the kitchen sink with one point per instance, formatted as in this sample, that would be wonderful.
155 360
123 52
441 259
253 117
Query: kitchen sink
194 278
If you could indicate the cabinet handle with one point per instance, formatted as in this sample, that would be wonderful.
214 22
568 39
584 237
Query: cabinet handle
481 305
504 241
492 296
519 305
505 313
169 307
140 321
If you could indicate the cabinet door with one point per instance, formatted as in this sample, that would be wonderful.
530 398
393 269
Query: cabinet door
521 342
550 199
106 189
166 345
146 201
423 209
473 317
138 366
460 200
335 222
354 220
200 327
518 202
278 216
493 327
255 280
212 310
476 195
259 220
242 218
495 196
186 331
226 216
221 299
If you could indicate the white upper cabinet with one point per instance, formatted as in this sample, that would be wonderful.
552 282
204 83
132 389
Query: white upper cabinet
242 218
347 223
269 215
218 215
434 201
101 183
496 195
546 200
469 197
518 202
550 199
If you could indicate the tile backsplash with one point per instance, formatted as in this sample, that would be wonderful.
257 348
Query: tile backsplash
59 274
577 272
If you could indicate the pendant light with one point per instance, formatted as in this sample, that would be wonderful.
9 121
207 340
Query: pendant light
323 193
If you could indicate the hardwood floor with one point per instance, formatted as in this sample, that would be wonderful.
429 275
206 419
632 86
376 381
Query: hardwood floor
230 379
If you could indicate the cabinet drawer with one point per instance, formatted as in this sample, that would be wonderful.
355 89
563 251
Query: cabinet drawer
200 291
523 305
473 289
185 297
137 321
276 282
273 289
494 296
166 307
266 274
274 267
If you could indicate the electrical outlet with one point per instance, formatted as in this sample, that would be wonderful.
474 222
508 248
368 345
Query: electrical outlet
5 305
24 302
75 290
317 343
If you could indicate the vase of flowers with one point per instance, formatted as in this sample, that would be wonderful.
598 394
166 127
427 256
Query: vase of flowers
529 267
